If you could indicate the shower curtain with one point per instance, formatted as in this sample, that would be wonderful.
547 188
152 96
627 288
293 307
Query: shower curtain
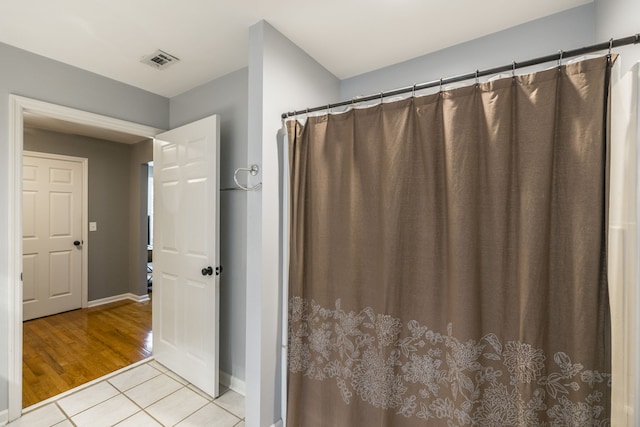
448 258
623 247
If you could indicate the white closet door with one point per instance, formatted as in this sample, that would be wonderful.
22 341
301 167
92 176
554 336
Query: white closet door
51 235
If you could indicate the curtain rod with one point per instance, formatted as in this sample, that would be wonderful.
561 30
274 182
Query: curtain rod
478 73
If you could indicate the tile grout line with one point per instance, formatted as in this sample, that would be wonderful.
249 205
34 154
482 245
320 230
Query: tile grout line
143 410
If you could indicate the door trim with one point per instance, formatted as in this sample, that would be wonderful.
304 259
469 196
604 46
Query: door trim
18 105
84 236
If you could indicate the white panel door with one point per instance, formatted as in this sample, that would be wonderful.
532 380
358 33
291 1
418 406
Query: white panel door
185 252
51 224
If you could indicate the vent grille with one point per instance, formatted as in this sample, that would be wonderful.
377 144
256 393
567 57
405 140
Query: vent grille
160 60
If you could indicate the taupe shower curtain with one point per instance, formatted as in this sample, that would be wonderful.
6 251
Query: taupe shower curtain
448 258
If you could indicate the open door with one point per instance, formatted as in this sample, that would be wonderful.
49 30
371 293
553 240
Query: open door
186 252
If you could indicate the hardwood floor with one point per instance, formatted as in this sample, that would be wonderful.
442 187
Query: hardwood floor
66 350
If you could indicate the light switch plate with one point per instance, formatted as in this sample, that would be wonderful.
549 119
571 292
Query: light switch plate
93 226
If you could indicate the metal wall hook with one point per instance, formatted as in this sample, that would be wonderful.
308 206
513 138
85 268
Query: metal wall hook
253 170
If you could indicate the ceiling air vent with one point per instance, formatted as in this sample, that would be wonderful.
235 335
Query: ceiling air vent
160 59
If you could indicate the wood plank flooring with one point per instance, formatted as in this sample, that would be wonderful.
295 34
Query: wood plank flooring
66 350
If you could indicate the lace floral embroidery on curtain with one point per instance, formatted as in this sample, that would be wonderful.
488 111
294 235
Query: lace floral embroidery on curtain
377 358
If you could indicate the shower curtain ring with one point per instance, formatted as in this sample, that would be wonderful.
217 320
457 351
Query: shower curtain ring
440 85
560 58
513 69
381 97
610 45
413 91
477 77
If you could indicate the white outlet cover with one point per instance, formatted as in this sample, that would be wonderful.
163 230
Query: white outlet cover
93 226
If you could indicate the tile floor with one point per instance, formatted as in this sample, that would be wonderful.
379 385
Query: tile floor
145 395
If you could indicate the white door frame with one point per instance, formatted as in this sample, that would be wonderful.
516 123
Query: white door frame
18 105
84 264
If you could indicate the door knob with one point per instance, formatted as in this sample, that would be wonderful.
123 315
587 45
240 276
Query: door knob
207 271
77 243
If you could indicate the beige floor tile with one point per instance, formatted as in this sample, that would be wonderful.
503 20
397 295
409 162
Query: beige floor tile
210 416
232 402
159 366
141 419
133 377
176 406
42 417
151 391
87 398
107 413
177 377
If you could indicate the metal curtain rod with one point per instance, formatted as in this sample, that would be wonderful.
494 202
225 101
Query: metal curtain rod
478 73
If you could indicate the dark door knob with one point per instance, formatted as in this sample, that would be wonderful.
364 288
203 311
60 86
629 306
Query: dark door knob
207 271
76 243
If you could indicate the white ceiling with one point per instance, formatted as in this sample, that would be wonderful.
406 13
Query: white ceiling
210 37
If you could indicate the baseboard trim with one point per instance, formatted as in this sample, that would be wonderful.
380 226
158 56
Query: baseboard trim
233 383
115 298
4 417
278 423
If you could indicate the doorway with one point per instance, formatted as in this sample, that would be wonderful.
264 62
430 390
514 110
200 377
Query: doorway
55 115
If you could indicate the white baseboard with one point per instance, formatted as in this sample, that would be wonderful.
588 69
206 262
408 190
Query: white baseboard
129 296
277 423
233 383
4 417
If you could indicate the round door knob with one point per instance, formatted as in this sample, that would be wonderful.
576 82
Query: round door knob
76 243
207 271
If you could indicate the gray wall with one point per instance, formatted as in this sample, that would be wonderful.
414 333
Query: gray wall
110 184
566 30
34 76
616 19
226 96
281 77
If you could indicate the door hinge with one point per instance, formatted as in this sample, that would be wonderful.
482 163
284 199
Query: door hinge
218 270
